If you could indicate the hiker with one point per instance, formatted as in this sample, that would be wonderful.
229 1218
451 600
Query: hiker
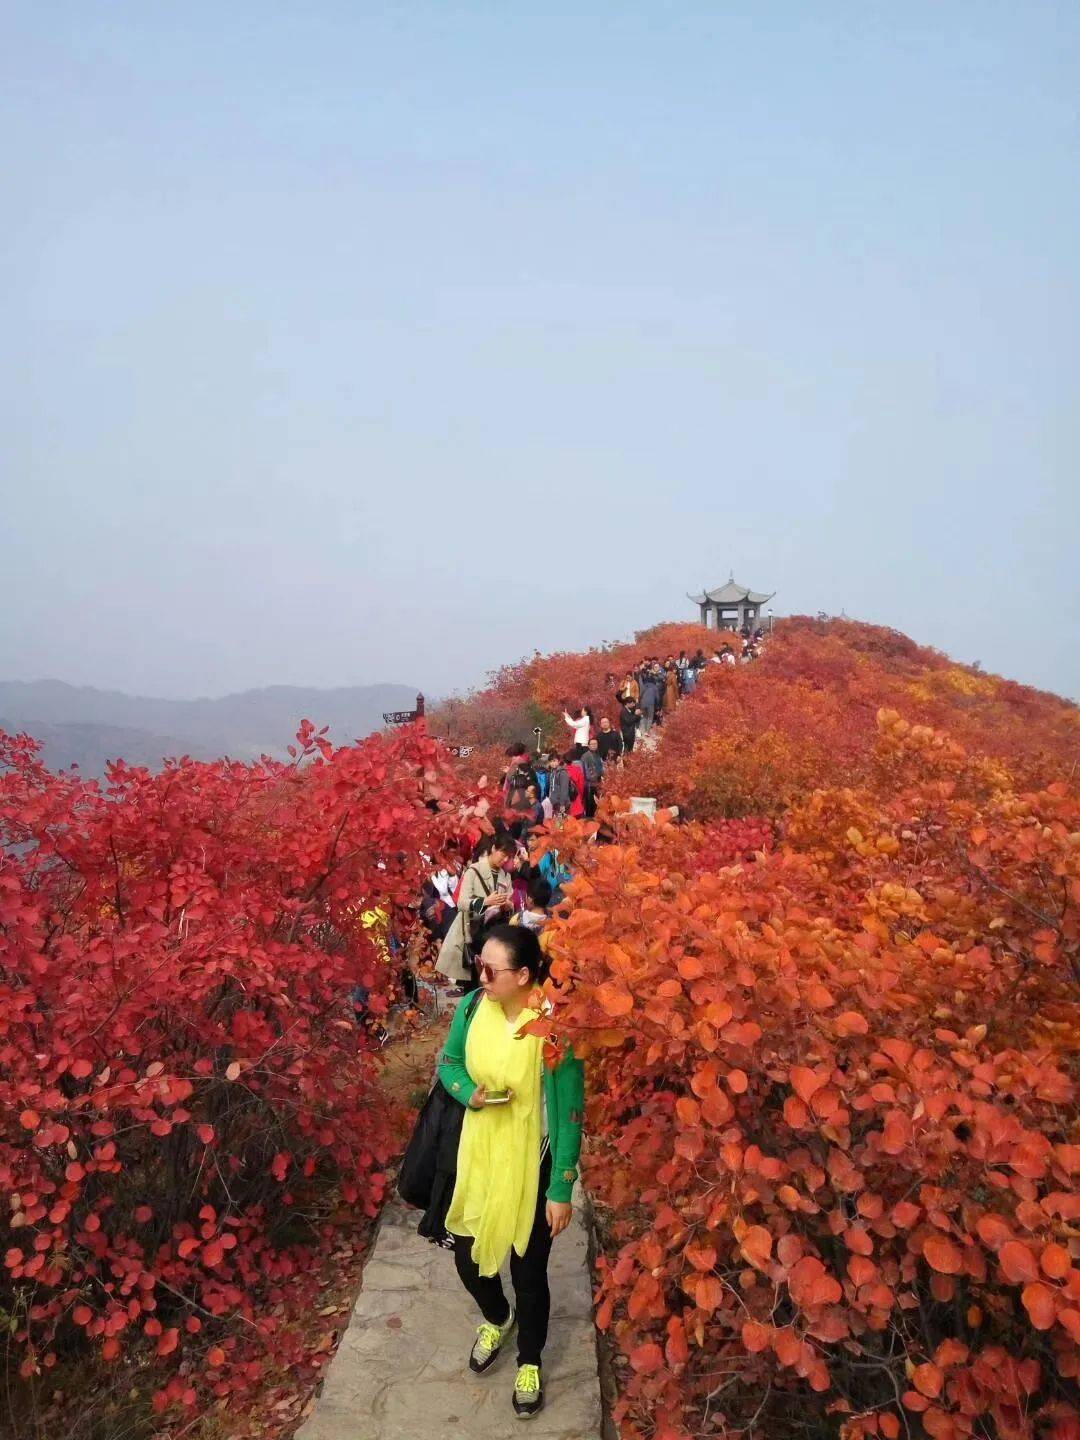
629 719
576 772
629 689
580 724
541 811
650 698
671 687
562 790
519 773
609 742
485 897
517 1158
593 769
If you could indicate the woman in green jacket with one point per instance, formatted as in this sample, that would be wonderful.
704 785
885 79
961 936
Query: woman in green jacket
518 1155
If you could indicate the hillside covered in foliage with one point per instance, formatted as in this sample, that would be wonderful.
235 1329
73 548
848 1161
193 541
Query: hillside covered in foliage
832 1071
829 1018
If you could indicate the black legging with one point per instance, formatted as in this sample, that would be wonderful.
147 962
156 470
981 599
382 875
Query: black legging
628 738
528 1273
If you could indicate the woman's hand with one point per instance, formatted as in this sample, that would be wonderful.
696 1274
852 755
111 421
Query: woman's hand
558 1216
478 1098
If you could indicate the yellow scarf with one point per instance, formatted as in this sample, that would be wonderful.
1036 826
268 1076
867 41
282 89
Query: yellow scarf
498 1172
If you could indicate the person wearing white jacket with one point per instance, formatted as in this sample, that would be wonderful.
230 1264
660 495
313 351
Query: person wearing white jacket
580 726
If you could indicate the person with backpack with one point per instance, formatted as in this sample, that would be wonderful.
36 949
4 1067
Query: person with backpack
519 773
593 769
562 791
577 780
650 700
517 1158
485 897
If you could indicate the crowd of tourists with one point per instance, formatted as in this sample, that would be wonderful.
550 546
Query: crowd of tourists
494 1156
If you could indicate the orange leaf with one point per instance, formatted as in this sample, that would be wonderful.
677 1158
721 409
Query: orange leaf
941 1254
928 1379
755 1336
1017 1262
850 1022
1040 1303
701 1257
804 1082
615 999
756 1245
1055 1261
709 1293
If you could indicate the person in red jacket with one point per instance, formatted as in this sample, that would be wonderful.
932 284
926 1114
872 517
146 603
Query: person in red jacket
577 774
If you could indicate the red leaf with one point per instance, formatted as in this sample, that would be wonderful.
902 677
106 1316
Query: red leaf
647 1359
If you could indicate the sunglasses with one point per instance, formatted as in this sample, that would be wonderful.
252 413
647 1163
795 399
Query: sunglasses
488 972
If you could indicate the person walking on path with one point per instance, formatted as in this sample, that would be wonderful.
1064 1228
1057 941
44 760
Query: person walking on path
629 719
592 766
562 791
517 1157
577 777
608 742
671 688
650 698
485 897
628 690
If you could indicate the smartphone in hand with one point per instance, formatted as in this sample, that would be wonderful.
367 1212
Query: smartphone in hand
497 1097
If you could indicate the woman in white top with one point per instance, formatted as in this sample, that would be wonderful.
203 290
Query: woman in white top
580 726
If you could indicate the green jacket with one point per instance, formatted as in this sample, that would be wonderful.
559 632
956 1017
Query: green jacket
564 1090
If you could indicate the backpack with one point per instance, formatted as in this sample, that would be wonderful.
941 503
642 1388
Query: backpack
520 777
563 790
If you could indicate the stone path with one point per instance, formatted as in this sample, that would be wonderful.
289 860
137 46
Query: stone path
401 1369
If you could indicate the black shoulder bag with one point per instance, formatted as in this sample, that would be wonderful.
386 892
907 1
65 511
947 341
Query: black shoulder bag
429 1165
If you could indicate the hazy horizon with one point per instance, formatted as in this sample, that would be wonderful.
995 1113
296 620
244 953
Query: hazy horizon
387 344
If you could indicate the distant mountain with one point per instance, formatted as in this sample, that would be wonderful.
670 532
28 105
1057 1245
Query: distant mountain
81 725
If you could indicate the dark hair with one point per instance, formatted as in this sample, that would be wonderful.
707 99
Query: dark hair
524 948
501 840
572 754
540 892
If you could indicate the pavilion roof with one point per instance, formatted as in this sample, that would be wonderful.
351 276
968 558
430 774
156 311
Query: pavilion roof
730 594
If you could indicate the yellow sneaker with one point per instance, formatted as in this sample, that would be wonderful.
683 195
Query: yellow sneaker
528 1392
488 1344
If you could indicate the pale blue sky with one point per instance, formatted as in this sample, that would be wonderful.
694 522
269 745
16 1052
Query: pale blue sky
357 342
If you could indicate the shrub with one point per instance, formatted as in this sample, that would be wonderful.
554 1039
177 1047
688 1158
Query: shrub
184 1094
832 1106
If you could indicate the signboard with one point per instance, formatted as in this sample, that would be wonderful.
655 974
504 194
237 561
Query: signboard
404 717
461 751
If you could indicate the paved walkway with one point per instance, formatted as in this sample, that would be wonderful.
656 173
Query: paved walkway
401 1369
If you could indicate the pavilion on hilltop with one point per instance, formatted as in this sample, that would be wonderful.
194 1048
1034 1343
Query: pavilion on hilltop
731 607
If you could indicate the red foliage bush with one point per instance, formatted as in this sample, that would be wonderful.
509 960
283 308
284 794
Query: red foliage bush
832 1102
183 1091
